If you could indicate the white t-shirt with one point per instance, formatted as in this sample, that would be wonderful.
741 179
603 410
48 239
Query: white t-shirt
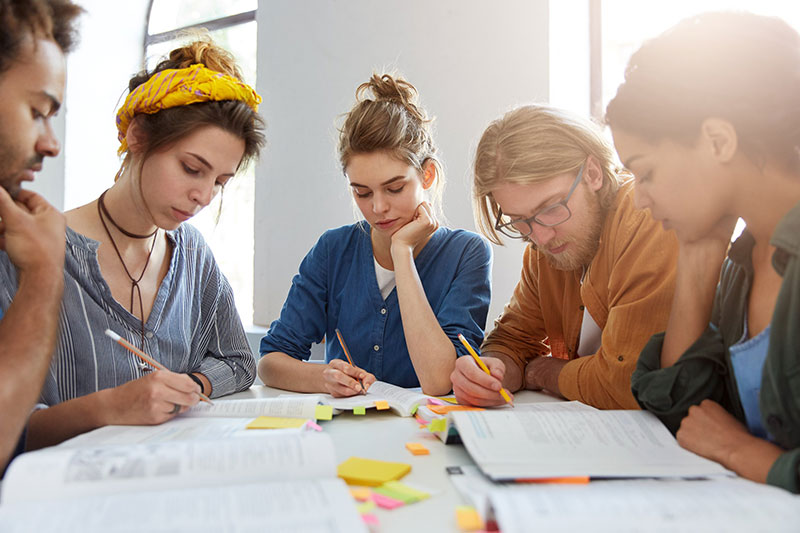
386 281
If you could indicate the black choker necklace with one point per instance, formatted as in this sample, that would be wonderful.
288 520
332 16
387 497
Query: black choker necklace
102 206
103 214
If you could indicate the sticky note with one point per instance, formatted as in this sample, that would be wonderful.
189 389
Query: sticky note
436 401
275 422
313 425
382 405
361 494
400 491
448 399
386 502
323 412
359 410
468 518
417 449
437 424
369 472
370 519
366 506
405 489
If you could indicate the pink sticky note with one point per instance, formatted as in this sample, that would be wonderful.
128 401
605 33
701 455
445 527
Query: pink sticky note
436 401
370 519
313 425
385 501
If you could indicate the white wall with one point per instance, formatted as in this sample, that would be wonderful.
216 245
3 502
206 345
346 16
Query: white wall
109 53
470 59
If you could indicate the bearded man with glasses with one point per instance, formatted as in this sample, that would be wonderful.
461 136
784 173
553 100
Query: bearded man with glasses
597 276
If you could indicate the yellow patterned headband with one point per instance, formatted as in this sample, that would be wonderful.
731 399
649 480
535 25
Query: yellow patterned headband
177 87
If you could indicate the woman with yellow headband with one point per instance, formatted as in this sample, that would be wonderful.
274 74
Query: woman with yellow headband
133 267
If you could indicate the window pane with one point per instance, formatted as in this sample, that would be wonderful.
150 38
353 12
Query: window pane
628 23
231 239
169 15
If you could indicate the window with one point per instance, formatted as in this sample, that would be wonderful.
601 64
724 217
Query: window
232 25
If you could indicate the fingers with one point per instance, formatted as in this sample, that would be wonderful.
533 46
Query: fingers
341 379
473 386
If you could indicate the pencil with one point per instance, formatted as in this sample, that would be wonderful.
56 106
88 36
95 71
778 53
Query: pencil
503 392
347 353
146 358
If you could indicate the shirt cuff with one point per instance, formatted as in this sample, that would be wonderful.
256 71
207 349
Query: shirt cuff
785 472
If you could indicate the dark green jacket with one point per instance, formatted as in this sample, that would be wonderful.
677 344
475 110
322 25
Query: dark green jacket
705 370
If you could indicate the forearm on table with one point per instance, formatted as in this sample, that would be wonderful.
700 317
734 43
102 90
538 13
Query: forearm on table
432 353
282 371
27 340
51 426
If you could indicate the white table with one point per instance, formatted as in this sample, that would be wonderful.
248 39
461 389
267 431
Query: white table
383 435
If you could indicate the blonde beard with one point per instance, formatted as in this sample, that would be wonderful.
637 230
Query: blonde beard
585 243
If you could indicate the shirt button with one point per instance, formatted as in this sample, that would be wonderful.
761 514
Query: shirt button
383 310
582 308
149 334
774 422
620 358
376 347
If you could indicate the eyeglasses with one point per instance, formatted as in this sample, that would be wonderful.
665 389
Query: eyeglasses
549 216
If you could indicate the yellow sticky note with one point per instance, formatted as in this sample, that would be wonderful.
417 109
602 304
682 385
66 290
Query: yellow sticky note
448 399
275 422
369 472
382 405
323 412
437 424
468 518
359 410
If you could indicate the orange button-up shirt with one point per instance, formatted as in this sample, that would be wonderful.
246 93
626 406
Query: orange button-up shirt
627 289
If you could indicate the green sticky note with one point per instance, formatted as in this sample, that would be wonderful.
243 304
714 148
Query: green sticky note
402 488
359 410
437 424
397 495
323 412
414 410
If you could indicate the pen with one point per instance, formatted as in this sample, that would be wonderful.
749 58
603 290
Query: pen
347 353
503 392
146 358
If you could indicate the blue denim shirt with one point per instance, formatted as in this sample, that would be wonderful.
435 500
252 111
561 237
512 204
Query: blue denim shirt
336 287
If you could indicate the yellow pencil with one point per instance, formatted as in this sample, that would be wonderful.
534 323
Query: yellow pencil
503 392
347 353
146 358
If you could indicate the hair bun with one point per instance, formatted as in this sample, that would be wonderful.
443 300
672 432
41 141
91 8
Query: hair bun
388 88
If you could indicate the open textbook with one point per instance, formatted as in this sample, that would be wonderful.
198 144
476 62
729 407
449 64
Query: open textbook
275 482
528 444
440 417
403 402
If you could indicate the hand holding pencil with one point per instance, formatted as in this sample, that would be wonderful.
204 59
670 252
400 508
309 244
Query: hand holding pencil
479 381
342 378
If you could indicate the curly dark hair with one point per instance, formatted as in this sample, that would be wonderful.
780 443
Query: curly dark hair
46 19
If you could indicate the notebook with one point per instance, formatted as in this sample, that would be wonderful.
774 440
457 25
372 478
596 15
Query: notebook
275 482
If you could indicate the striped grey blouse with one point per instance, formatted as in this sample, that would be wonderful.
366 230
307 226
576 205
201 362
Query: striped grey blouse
193 326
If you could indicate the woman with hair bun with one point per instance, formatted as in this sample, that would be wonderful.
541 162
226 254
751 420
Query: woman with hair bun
399 287
132 266
707 120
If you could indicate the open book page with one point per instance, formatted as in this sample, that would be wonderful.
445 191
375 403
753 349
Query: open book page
285 507
285 406
60 473
646 505
512 444
177 429
402 401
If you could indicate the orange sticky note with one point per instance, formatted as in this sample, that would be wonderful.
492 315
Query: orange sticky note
468 518
444 409
361 494
417 449
382 405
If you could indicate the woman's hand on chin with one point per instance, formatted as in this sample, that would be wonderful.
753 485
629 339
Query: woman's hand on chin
418 230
